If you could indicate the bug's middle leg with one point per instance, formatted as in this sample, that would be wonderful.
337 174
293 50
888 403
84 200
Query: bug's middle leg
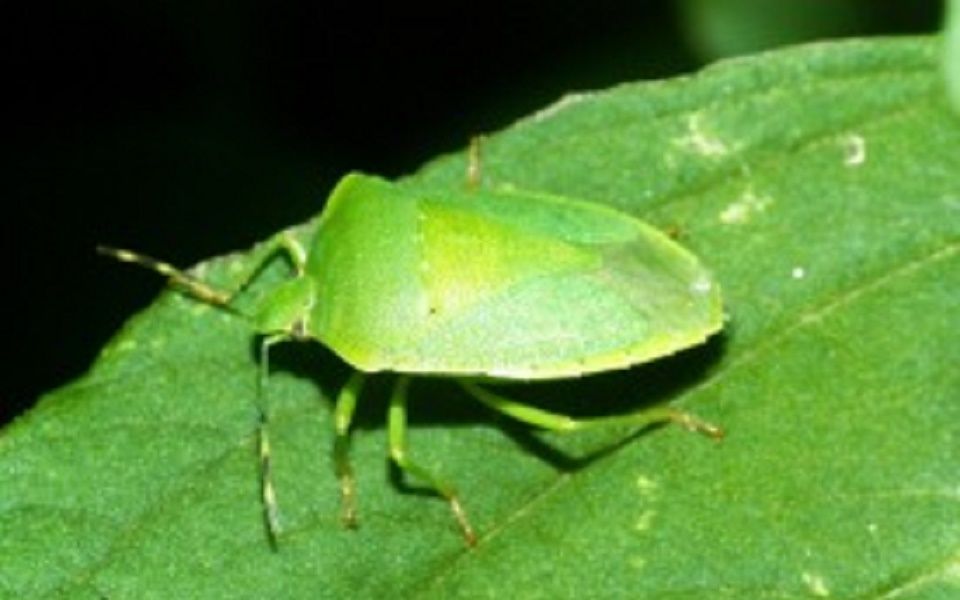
397 425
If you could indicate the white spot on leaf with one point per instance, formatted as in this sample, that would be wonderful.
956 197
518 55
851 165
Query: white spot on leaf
700 140
646 485
798 272
235 266
645 520
855 150
744 208
816 584
701 286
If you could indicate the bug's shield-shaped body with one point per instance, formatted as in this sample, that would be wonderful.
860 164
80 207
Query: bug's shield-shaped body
500 283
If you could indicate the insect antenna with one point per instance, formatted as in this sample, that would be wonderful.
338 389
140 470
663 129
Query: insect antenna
190 284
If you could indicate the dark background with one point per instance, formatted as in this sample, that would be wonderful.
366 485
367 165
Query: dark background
186 129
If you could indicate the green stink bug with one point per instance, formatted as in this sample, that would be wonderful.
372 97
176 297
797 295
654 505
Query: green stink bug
474 285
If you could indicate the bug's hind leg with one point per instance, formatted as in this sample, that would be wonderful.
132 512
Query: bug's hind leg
563 423
343 416
397 425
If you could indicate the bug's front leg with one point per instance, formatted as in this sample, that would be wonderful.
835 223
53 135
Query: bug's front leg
397 425
342 417
268 494
282 243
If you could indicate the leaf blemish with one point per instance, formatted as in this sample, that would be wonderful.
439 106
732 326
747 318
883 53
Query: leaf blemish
798 272
816 584
645 520
855 150
700 140
235 266
701 286
646 485
744 208
127 346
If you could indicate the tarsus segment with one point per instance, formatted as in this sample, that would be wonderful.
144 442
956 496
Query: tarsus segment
397 425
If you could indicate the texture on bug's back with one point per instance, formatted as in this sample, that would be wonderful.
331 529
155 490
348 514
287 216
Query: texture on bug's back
500 282
467 258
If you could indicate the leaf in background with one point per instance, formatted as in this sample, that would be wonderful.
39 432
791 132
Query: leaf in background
822 184
725 28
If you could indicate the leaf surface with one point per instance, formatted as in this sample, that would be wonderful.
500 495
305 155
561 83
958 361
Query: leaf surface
822 186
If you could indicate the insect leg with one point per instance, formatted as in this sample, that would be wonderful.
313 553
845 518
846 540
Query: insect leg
343 415
563 423
282 243
397 425
268 494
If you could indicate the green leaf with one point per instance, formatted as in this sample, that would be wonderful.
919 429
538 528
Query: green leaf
822 185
